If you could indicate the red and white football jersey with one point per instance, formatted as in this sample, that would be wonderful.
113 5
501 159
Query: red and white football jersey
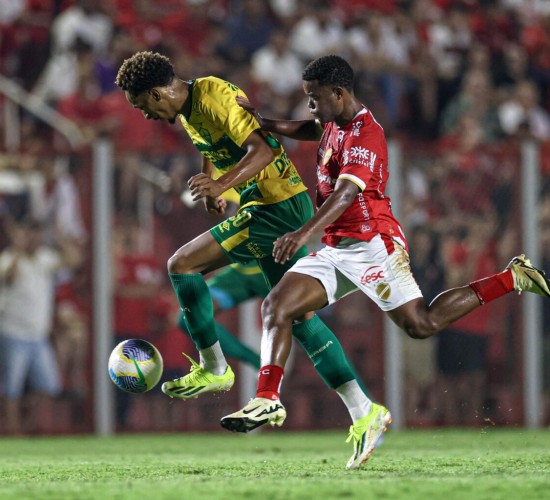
357 152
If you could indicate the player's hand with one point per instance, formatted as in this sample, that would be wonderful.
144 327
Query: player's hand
287 245
244 103
203 185
215 206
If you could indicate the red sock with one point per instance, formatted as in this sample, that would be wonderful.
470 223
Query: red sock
269 382
493 287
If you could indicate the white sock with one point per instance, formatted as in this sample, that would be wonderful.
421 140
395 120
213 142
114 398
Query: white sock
355 399
213 360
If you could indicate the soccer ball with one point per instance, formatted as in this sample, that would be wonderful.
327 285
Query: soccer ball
135 365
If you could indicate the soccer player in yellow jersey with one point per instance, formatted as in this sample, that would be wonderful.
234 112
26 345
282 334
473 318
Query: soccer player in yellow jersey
273 202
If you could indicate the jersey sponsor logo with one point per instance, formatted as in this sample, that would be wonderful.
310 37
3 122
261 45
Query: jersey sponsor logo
282 163
359 155
326 156
232 86
356 128
364 208
325 178
372 275
255 250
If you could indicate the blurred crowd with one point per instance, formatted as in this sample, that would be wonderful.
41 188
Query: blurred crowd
458 84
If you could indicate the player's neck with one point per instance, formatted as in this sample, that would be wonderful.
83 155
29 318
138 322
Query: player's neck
351 110
184 97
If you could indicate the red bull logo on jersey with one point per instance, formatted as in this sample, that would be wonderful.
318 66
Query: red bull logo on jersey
372 275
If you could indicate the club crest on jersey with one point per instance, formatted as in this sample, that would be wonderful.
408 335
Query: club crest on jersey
383 290
373 274
356 128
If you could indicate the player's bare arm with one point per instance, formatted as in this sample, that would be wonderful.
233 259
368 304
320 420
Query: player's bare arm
287 245
257 157
213 205
300 130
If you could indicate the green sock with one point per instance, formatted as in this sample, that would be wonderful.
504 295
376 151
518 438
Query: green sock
326 352
198 311
232 347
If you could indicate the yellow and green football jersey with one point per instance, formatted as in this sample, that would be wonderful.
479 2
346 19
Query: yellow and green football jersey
218 127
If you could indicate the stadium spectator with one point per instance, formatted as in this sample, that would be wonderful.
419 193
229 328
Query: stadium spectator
24 39
84 21
382 48
522 116
247 30
318 32
274 59
27 272
477 99
449 40
510 68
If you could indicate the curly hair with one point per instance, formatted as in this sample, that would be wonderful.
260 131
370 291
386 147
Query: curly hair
329 71
143 71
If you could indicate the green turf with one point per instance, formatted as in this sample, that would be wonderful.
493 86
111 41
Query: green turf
439 464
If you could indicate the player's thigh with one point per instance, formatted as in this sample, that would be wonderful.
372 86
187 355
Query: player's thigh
44 371
380 269
201 255
16 358
274 271
332 284
295 295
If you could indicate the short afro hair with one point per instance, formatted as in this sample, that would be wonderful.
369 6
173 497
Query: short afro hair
331 70
143 71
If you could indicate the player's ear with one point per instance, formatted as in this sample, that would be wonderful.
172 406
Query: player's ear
155 93
338 92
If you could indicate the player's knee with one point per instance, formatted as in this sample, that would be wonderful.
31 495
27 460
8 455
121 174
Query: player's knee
177 264
273 309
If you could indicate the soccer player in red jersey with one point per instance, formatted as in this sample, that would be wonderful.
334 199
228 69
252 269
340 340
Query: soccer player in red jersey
365 250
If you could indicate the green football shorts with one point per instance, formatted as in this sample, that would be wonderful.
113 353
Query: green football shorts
249 235
237 283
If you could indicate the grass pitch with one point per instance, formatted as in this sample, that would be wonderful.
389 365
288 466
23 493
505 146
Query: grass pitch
438 464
